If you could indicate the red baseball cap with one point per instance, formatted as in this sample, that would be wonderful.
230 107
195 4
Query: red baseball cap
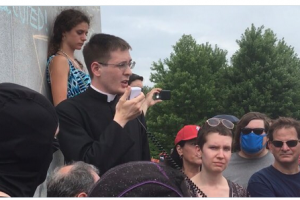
188 132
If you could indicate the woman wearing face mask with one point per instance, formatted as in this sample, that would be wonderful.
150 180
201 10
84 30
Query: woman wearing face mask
250 143
214 145
64 73
184 153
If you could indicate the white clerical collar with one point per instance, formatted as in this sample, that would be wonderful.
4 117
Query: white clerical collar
110 97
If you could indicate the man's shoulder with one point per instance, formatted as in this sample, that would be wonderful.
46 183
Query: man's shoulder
262 174
265 170
76 101
235 157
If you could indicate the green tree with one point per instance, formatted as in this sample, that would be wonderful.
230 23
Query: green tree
264 76
146 89
154 151
190 73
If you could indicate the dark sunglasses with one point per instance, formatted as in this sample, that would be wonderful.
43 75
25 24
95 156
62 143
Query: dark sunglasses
216 121
257 131
290 143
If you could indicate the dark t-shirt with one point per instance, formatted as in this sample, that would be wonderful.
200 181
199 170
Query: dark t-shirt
269 182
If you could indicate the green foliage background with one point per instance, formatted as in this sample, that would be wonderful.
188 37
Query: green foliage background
263 76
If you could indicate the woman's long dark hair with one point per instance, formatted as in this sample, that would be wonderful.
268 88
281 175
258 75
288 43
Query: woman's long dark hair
175 156
64 22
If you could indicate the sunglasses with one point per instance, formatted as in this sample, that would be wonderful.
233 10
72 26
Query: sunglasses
216 121
257 131
290 143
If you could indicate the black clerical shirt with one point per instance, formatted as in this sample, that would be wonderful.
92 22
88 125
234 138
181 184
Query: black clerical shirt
88 132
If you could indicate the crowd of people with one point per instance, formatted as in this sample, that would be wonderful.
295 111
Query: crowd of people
103 135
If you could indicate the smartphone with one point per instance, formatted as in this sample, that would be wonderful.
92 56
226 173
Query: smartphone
162 95
135 91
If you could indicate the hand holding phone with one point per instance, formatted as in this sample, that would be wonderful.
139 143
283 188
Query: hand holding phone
162 95
127 110
135 91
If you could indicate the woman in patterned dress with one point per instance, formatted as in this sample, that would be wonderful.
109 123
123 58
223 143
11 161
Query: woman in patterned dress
64 73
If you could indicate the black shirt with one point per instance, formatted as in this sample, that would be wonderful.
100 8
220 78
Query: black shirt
89 133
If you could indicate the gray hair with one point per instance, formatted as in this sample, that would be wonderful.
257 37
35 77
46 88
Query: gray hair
78 179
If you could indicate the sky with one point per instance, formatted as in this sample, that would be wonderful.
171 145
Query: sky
153 30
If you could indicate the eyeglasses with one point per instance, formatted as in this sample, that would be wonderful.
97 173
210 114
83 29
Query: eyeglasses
216 121
290 143
122 66
257 131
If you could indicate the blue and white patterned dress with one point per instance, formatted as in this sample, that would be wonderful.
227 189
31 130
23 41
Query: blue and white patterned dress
78 81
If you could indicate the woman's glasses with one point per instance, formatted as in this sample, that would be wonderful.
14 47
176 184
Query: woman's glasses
290 143
216 121
257 131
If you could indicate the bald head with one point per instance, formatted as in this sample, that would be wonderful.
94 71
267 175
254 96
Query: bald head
73 180
66 170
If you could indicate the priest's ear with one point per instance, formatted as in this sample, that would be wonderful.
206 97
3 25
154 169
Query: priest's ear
96 69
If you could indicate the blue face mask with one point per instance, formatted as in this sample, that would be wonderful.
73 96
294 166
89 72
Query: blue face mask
252 143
